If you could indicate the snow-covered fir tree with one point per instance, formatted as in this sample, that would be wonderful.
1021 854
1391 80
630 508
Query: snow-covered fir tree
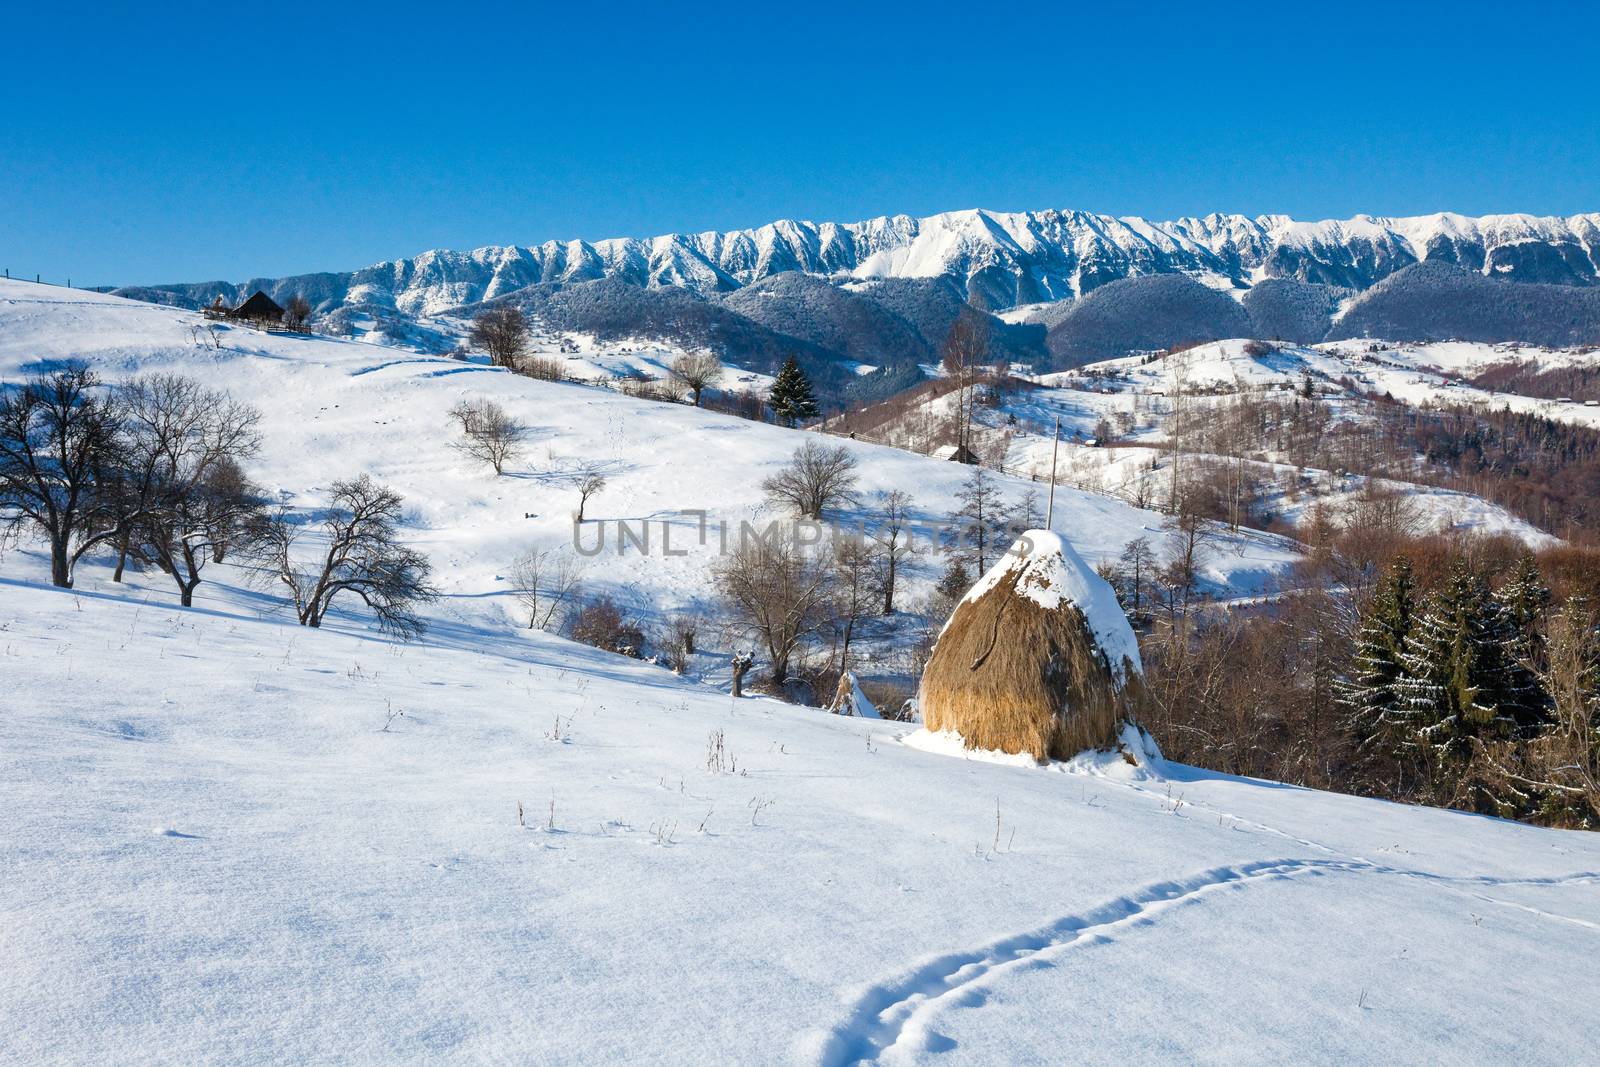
792 399
1453 686
1523 599
1371 692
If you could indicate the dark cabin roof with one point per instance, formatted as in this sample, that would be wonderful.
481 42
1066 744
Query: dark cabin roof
259 306
955 454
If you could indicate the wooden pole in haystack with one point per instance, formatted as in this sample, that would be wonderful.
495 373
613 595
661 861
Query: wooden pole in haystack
1050 508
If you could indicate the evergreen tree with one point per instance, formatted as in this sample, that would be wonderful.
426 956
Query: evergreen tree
947 593
1453 687
792 399
1522 601
1371 693
955 581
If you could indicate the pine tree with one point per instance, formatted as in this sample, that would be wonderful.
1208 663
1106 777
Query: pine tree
1453 686
1522 601
1371 693
947 593
955 581
792 399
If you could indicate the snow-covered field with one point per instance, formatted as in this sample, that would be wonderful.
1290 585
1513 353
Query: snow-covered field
579 356
1430 373
1414 373
229 839
232 840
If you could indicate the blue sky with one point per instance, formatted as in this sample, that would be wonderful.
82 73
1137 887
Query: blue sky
150 143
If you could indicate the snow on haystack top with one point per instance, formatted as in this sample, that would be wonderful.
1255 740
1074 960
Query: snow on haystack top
1051 574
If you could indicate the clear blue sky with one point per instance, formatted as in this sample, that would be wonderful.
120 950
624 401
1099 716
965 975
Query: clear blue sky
151 143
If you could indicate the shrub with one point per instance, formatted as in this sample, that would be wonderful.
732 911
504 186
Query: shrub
600 624
544 368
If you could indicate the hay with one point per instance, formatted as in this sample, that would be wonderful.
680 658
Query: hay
848 699
1018 668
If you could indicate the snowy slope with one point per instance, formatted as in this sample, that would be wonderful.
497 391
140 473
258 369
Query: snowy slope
216 852
1134 395
333 409
1429 373
233 840
1415 373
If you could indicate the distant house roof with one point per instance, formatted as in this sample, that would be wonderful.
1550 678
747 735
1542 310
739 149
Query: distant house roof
955 454
259 306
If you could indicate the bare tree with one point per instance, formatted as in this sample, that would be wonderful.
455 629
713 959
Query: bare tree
547 581
1189 536
965 349
174 431
57 450
601 624
681 638
817 477
298 313
488 434
1137 564
697 371
980 520
219 512
364 557
894 542
589 479
854 560
779 588
743 660
501 331
1025 514
1179 423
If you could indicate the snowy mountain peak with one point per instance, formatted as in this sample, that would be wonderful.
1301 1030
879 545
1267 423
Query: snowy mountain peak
999 259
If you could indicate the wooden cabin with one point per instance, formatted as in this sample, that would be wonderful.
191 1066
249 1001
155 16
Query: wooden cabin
955 454
260 308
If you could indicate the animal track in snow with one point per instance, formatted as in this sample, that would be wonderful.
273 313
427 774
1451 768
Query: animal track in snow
894 1018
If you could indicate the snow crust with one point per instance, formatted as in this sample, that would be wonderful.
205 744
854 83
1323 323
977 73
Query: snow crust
1136 756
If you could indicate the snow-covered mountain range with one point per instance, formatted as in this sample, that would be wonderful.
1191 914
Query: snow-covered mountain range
1000 259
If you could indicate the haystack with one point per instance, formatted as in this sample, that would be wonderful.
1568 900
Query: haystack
1036 658
848 699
